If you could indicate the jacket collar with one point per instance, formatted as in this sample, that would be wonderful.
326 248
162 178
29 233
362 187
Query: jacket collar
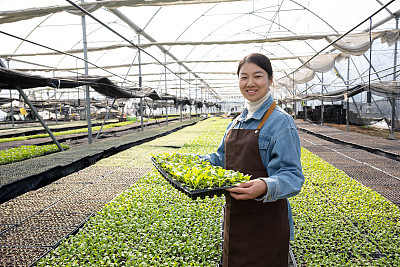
259 112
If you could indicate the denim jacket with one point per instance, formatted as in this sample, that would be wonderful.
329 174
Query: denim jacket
279 149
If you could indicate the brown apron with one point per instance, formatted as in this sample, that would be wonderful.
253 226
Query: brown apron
255 233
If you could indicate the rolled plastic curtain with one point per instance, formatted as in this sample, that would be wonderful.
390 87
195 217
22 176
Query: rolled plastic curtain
284 82
91 8
285 85
390 37
302 75
323 63
358 44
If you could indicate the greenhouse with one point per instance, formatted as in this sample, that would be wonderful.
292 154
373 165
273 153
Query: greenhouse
105 104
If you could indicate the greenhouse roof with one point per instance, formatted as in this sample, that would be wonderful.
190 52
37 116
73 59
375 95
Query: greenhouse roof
190 48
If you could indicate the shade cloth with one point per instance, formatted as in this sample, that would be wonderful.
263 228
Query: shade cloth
383 89
9 79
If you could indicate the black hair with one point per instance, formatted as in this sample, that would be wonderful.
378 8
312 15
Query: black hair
260 60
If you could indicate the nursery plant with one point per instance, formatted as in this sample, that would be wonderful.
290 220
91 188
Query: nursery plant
195 173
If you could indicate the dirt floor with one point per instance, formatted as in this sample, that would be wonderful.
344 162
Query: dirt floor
367 130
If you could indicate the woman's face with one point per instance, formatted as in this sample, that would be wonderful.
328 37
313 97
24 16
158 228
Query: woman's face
253 81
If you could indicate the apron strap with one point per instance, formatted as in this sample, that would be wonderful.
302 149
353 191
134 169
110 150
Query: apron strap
237 120
265 118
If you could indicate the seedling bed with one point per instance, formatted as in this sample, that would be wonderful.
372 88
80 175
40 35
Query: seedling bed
128 175
87 175
45 194
34 236
77 206
104 189
192 193
95 196
20 205
11 216
57 219
20 256
4 227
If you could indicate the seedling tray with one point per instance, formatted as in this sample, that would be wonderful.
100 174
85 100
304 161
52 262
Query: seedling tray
192 193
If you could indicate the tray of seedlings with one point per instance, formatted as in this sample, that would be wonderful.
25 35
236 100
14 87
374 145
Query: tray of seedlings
195 177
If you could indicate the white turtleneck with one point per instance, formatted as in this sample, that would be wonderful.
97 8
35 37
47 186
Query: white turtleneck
253 106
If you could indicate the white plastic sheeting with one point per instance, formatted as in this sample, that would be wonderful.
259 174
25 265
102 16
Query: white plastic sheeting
322 63
302 75
358 44
33 12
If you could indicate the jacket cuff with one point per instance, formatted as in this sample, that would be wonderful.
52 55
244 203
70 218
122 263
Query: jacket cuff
272 185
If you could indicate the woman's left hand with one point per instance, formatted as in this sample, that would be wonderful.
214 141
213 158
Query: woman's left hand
249 190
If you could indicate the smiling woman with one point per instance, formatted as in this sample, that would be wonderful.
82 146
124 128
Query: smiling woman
262 142
255 76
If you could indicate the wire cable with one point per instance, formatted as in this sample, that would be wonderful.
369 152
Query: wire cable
62 52
121 36
340 37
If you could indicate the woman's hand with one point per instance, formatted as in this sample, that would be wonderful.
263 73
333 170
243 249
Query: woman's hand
249 190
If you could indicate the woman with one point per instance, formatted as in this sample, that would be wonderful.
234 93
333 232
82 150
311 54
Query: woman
263 142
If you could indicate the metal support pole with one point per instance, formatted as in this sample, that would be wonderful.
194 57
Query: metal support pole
180 92
305 108
39 117
347 98
55 112
36 113
202 101
392 124
55 106
105 119
88 115
140 86
12 108
294 101
190 106
165 81
322 100
208 102
369 70
196 98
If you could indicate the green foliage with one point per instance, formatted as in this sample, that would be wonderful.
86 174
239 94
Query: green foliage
195 173
338 221
151 224
25 152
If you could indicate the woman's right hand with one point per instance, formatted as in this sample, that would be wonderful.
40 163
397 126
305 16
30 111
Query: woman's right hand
249 190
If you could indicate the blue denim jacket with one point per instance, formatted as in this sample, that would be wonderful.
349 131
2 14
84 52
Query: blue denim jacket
279 149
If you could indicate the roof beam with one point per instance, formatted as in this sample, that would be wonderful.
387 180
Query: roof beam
140 31
24 14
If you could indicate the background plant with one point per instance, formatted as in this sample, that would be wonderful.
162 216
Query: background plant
25 152
75 131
